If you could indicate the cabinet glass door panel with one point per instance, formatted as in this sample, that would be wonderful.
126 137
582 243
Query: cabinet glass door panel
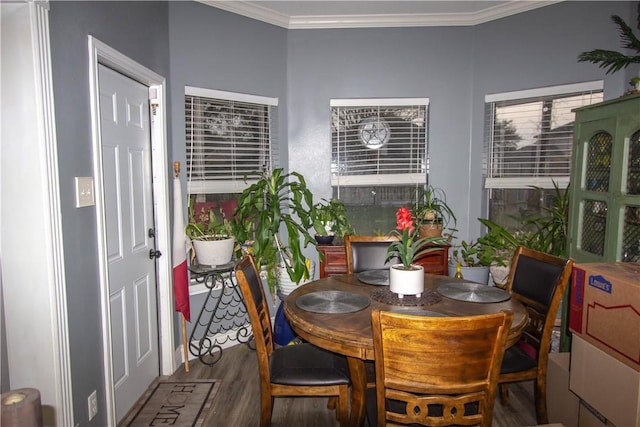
598 165
633 165
631 234
594 225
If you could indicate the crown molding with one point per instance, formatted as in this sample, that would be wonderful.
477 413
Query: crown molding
252 9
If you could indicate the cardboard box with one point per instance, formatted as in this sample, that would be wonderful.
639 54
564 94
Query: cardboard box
605 308
589 417
562 403
612 388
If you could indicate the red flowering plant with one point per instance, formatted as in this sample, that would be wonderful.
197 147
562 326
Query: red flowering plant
409 246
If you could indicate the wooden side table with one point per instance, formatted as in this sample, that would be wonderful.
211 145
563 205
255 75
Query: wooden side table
335 261
436 262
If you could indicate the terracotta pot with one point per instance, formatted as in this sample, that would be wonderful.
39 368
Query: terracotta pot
430 230
406 282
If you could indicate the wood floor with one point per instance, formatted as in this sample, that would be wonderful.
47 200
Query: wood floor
237 403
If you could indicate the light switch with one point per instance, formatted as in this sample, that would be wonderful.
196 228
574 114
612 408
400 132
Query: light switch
84 191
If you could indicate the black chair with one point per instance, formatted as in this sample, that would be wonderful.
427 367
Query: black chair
293 370
367 252
538 280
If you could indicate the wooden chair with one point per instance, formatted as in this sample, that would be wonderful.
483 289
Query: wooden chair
436 371
294 370
538 280
367 252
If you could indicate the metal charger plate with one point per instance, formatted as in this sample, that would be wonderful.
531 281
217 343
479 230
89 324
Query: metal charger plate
472 292
332 302
374 277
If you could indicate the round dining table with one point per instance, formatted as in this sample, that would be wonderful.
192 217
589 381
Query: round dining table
349 333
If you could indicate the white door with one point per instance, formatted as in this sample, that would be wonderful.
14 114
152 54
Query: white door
128 203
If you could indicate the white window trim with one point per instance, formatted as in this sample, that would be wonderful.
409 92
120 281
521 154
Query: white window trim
545 91
375 102
527 182
368 180
229 96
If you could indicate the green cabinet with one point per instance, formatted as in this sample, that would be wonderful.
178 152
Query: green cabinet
604 217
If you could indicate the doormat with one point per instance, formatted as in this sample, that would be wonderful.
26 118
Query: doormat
175 403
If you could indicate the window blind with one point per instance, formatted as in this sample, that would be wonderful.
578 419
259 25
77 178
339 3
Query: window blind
376 142
228 138
529 140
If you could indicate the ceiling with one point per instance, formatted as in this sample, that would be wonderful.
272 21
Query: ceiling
306 14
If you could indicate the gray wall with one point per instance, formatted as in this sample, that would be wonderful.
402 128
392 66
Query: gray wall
454 67
219 50
138 30
214 49
537 49
193 44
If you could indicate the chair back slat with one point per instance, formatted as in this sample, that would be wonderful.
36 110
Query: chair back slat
438 370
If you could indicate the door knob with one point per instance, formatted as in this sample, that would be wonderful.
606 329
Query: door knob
154 254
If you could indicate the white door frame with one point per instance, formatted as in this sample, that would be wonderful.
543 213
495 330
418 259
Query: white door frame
103 54
35 308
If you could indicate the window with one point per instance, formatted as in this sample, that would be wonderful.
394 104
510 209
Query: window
229 137
528 137
378 158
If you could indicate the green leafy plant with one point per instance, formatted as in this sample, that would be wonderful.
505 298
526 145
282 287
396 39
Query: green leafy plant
433 208
474 254
206 225
276 200
545 232
551 227
330 218
500 243
409 246
611 60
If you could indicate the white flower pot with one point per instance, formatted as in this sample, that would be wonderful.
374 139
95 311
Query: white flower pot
213 252
286 285
406 282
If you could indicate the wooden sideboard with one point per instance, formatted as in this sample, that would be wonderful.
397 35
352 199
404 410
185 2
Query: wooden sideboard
335 261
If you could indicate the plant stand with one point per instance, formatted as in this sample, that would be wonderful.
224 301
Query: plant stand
222 311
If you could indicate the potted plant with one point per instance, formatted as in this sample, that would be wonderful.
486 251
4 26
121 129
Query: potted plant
211 237
433 214
473 259
501 244
407 278
276 201
330 221
546 232
612 60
